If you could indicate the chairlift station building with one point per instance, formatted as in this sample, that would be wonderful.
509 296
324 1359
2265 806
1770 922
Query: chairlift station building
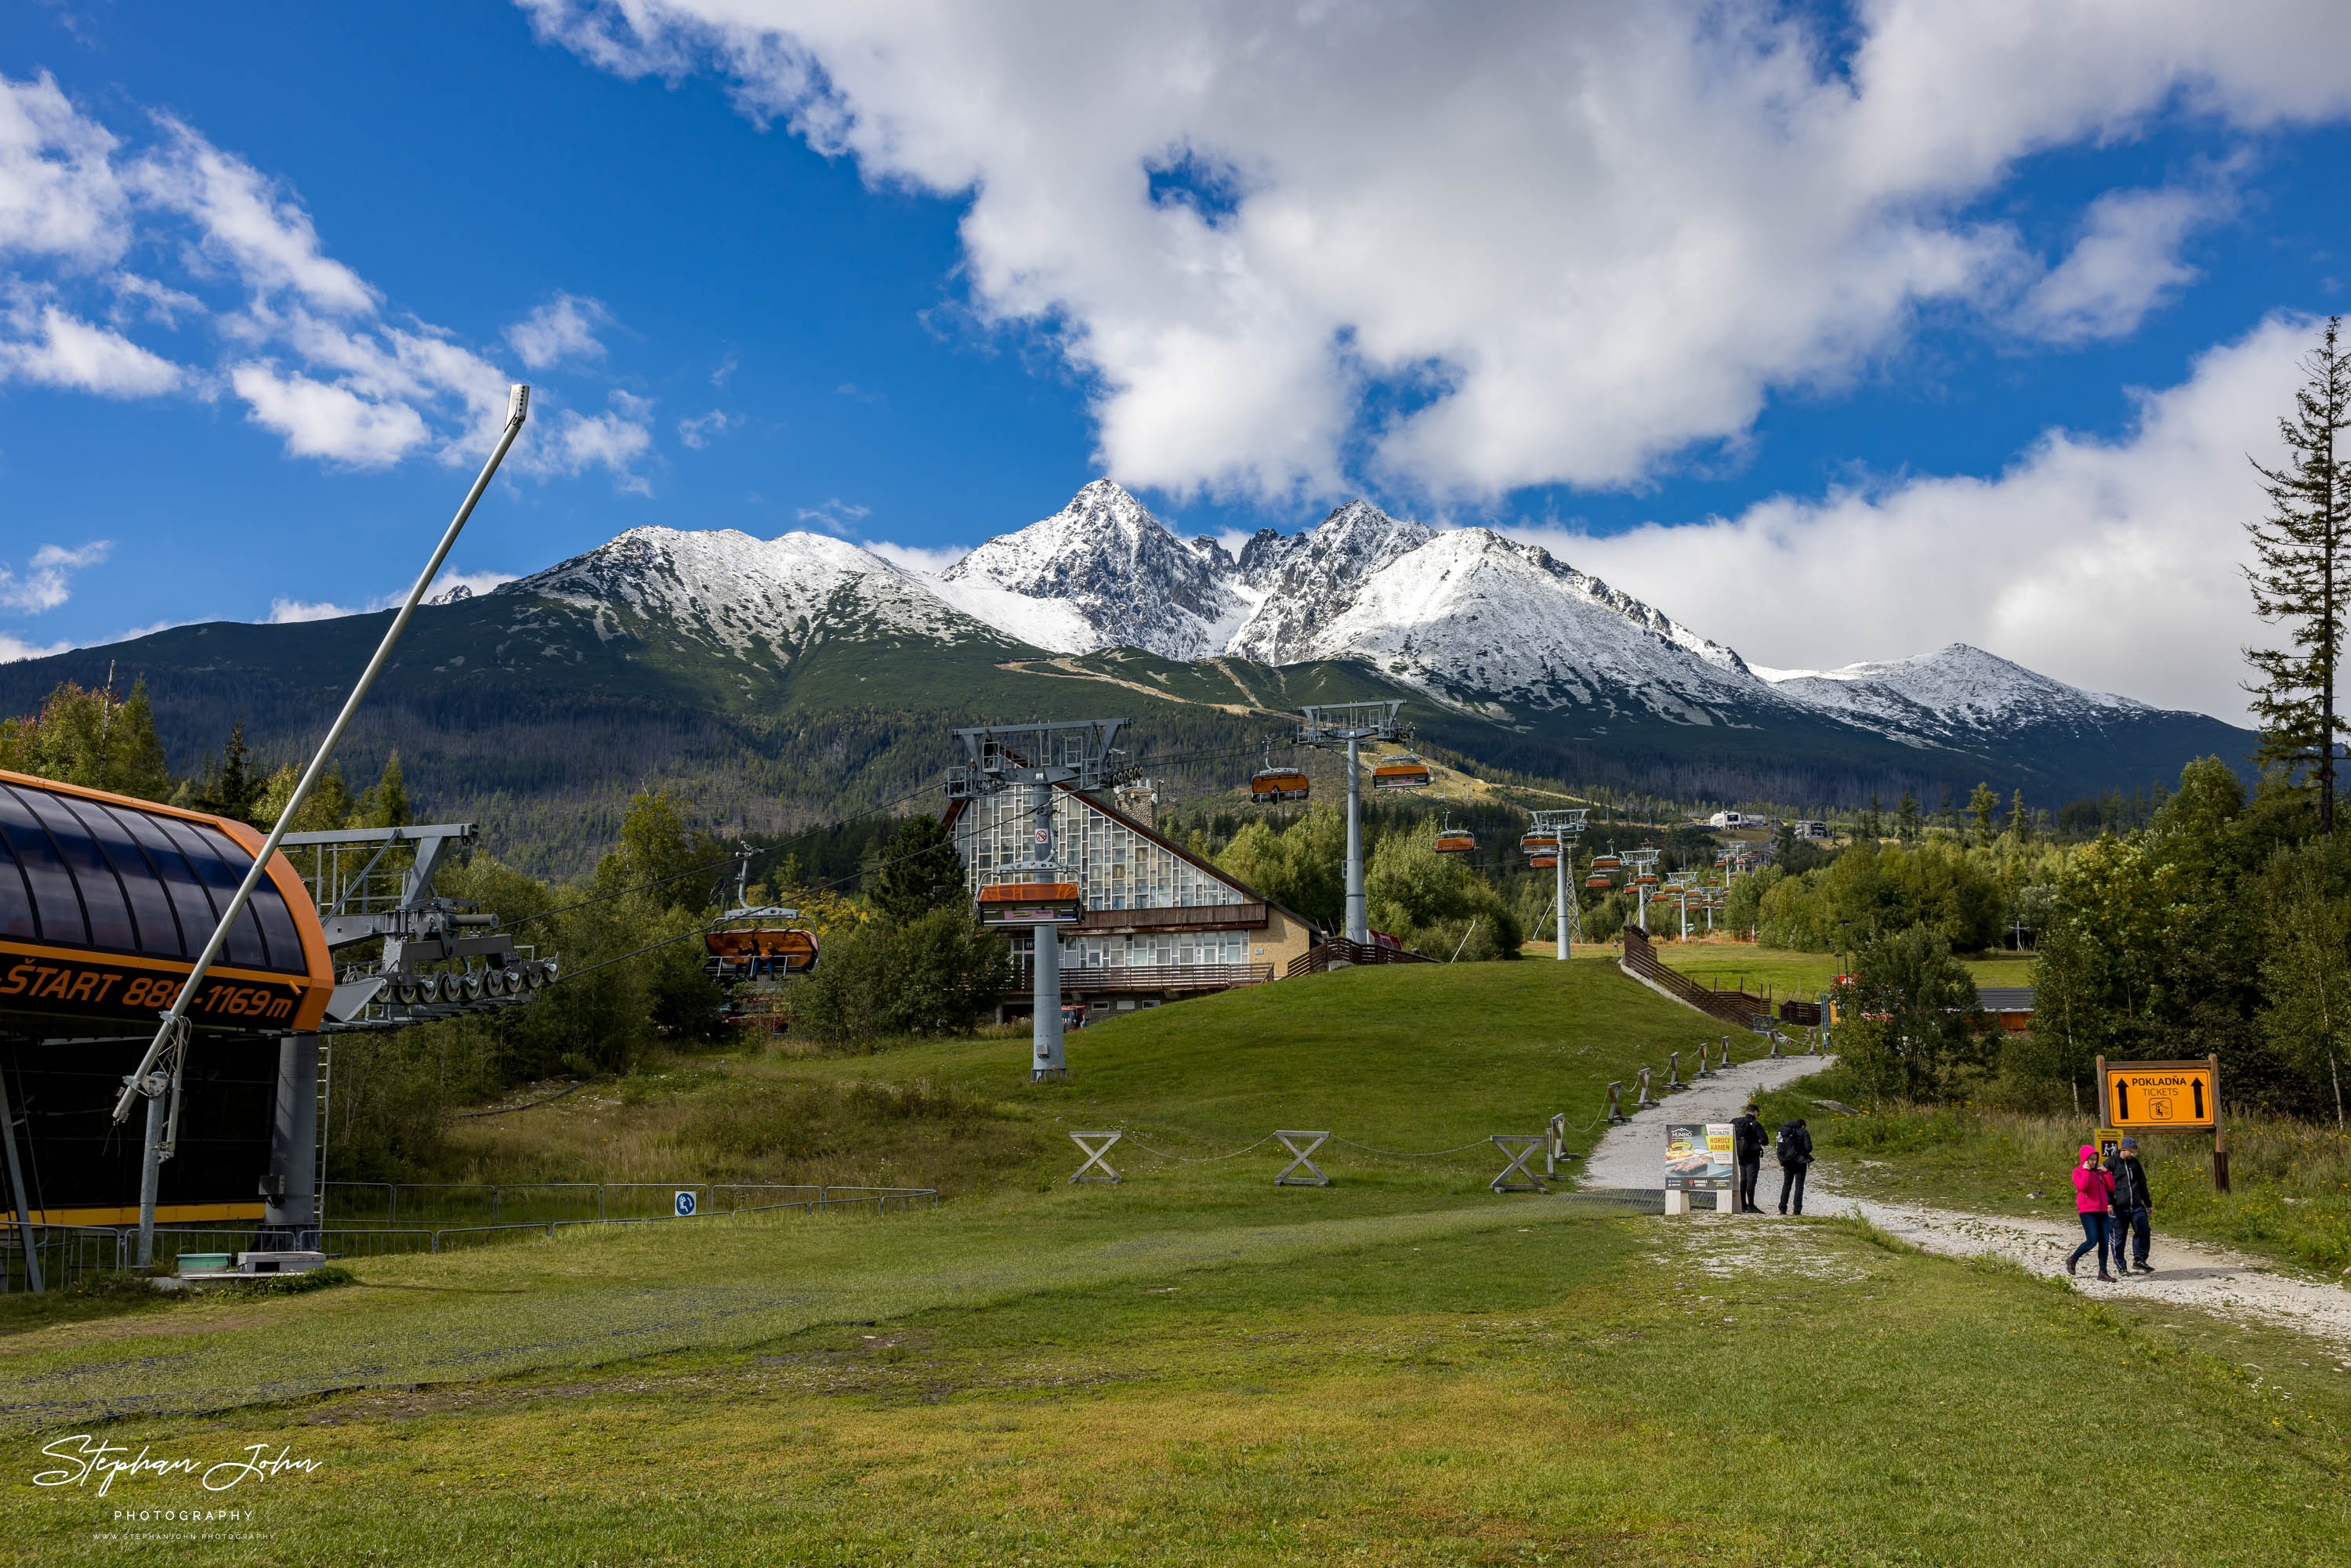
1160 923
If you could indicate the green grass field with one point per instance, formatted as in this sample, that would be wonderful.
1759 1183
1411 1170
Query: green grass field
1195 1367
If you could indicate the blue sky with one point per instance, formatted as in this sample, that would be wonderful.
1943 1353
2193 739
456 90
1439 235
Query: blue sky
1753 310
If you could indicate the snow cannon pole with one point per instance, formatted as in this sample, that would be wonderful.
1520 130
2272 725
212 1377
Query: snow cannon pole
171 1034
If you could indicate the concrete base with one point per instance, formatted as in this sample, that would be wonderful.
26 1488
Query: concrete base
1726 1203
1676 1201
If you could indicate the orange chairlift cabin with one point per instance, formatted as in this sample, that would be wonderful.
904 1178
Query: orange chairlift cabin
758 943
1453 841
1607 863
1598 879
1404 771
1540 840
1270 785
1545 861
1030 903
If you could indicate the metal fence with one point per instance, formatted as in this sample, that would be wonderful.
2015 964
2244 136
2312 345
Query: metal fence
77 1254
401 1205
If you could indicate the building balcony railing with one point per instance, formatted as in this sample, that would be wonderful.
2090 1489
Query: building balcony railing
1076 981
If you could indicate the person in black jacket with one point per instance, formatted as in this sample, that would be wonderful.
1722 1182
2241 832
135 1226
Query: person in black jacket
1795 1151
1747 1145
2131 1206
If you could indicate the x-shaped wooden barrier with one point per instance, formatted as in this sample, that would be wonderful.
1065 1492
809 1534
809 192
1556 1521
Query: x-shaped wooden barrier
1521 1148
1301 1157
1094 1152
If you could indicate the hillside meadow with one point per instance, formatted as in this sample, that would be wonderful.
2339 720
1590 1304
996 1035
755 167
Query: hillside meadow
1192 1366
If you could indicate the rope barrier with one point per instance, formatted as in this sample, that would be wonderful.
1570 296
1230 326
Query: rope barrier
1201 1159
1400 1154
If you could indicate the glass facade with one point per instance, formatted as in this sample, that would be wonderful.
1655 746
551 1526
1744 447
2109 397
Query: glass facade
1115 866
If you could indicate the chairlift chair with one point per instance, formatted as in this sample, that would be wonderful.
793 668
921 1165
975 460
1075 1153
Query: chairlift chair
1598 881
1453 841
1544 862
1026 903
753 946
1607 863
1270 785
1403 771
1542 841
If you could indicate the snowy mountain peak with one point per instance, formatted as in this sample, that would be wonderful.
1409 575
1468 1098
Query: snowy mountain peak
1306 580
1106 573
1946 695
747 594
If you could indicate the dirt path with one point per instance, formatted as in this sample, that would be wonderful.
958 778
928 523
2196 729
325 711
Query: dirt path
2211 1278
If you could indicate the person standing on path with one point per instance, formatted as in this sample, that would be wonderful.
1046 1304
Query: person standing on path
2093 1188
1795 1152
2128 1209
1747 1147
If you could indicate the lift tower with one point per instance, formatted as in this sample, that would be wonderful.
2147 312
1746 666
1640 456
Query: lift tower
1346 725
1567 829
1078 754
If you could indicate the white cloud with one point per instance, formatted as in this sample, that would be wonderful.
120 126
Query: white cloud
572 443
12 649
287 611
834 515
2126 260
59 195
703 428
59 350
926 562
563 329
321 420
266 238
1595 235
44 585
2110 564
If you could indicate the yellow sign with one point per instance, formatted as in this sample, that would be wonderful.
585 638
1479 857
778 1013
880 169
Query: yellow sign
2172 1095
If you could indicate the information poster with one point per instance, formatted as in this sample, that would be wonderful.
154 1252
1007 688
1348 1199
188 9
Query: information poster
1699 1156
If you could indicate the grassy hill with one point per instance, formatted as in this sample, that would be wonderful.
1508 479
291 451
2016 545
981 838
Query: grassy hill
1197 1367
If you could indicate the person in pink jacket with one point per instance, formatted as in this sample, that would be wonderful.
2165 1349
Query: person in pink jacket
2093 1186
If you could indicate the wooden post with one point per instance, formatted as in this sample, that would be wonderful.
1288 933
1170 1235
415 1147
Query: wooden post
2220 1141
2105 1112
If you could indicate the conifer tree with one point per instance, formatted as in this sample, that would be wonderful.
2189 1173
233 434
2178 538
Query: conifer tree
920 871
2300 575
1981 806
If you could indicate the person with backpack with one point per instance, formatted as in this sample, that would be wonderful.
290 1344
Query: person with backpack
1795 1152
1747 1145
2129 1207
2092 1190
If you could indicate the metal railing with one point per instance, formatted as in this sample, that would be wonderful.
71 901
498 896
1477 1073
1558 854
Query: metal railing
403 1205
1339 953
74 1254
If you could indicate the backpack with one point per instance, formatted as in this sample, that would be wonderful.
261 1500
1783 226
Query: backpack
1790 1147
1747 1135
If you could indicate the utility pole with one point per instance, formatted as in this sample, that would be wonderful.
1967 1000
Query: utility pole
1345 727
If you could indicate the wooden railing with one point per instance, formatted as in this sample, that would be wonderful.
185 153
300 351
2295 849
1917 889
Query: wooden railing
1166 978
1338 952
1740 1008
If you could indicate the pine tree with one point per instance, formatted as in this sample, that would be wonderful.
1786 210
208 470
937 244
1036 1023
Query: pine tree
2019 826
920 871
2301 573
233 790
386 804
1982 804
1906 819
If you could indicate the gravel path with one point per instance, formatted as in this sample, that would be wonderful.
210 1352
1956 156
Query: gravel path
2212 1279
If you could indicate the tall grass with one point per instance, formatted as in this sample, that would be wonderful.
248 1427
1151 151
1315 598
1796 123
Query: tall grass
2290 1181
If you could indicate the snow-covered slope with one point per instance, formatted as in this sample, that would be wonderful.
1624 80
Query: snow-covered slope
1113 576
1957 695
1485 623
1481 618
1307 580
754 597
